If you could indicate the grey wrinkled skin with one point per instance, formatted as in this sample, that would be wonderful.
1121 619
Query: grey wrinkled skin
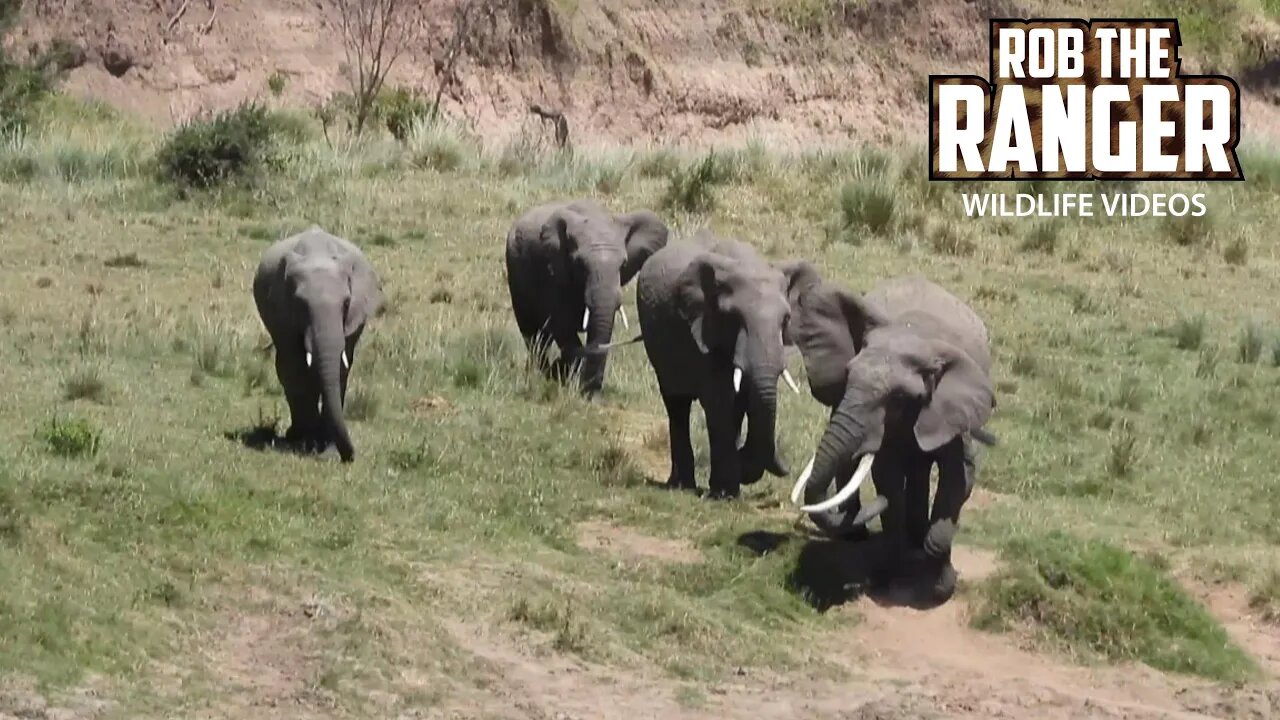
315 292
567 257
906 372
705 306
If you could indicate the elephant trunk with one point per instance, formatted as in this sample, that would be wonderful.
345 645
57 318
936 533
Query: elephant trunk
845 439
602 306
330 344
839 441
760 450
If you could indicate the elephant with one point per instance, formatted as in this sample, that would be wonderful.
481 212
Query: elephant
567 263
315 292
713 319
906 373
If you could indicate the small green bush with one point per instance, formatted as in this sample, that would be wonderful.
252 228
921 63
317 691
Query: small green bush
1188 332
1249 344
1091 596
692 189
277 83
1237 252
71 437
86 383
438 146
867 204
1042 237
22 87
1189 230
235 145
401 109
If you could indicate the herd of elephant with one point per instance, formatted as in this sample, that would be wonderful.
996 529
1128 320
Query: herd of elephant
904 369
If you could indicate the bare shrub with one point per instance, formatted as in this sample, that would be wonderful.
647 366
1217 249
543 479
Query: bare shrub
374 34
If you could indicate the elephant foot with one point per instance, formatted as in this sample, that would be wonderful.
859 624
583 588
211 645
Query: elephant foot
929 580
724 493
676 483
306 440
944 583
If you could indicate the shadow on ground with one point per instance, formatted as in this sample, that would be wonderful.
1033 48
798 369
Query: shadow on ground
829 573
264 437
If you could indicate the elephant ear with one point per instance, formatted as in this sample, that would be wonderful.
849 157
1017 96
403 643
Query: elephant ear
700 292
800 276
830 326
365 298
558 235
961 401
646 234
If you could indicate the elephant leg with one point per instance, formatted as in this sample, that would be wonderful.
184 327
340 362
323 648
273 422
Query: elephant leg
887 474
534 324
916 500
678 407
303 397
726 467
956 476
565 334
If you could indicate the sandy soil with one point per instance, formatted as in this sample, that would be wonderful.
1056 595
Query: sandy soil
633 70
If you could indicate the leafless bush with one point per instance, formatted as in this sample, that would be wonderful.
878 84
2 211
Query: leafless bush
374 33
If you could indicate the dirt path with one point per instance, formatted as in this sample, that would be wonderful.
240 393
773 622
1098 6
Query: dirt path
903 663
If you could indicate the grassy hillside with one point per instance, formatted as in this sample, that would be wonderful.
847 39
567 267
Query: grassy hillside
144 548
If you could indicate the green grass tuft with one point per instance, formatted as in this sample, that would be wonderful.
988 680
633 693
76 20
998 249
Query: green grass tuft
1042 237
1188 331
1091 597
69 437
1250 342
86 383
692 189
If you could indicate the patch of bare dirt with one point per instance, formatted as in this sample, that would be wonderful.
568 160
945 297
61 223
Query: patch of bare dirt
901 664
619 70
631 544
21 698
265 656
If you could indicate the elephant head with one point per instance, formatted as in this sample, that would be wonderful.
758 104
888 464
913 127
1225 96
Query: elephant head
599 253
329 299
889 382
738 315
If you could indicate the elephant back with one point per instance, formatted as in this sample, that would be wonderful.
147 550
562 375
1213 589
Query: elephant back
914 298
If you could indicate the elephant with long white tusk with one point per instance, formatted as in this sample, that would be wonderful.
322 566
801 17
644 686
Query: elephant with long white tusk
714 316
315 292
567 263
905 371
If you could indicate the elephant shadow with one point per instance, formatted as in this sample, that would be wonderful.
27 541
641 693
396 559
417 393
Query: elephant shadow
828 573
264 437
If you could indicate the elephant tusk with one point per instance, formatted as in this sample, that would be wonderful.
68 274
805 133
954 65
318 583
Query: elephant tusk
797 491
786 375
585 314
346 361
737 379
623 312
846 492
308 359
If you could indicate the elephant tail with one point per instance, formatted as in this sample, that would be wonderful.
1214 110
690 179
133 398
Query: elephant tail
599 349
